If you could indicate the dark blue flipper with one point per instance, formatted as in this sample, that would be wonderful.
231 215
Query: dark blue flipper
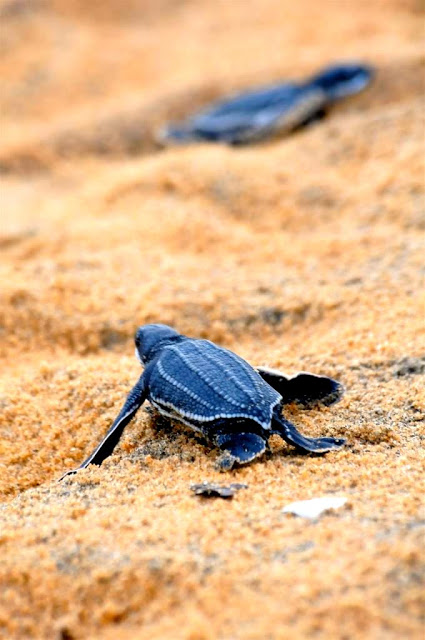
306 389
104 449
239 447
290 433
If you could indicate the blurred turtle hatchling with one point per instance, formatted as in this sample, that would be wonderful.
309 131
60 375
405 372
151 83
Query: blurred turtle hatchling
270 111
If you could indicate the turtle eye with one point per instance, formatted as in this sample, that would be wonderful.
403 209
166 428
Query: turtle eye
138 339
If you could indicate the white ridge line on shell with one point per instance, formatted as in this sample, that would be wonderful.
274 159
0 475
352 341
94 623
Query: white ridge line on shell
182 387
212 357
253 375
179 414
204 377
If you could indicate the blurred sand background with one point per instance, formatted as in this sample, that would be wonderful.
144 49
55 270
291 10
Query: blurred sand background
302 253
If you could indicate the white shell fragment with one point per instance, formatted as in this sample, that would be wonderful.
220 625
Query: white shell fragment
314 508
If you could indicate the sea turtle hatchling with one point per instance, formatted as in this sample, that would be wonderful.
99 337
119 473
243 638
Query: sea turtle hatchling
271 110
217 393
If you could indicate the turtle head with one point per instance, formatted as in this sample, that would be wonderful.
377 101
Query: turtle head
152 337
343 80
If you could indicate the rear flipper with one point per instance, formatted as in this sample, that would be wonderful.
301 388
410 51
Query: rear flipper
306 389
290 433
104 449
238 448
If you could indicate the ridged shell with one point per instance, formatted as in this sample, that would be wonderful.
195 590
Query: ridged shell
202 382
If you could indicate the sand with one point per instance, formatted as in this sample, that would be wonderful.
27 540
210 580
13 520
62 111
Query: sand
303 253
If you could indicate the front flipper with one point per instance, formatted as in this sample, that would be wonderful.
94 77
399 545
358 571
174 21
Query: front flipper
239 448
306 389
104 449
290 433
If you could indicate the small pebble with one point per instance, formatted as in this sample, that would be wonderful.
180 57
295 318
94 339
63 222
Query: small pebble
213 490
314 508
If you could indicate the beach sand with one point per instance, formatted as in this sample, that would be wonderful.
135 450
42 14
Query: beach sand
302 253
